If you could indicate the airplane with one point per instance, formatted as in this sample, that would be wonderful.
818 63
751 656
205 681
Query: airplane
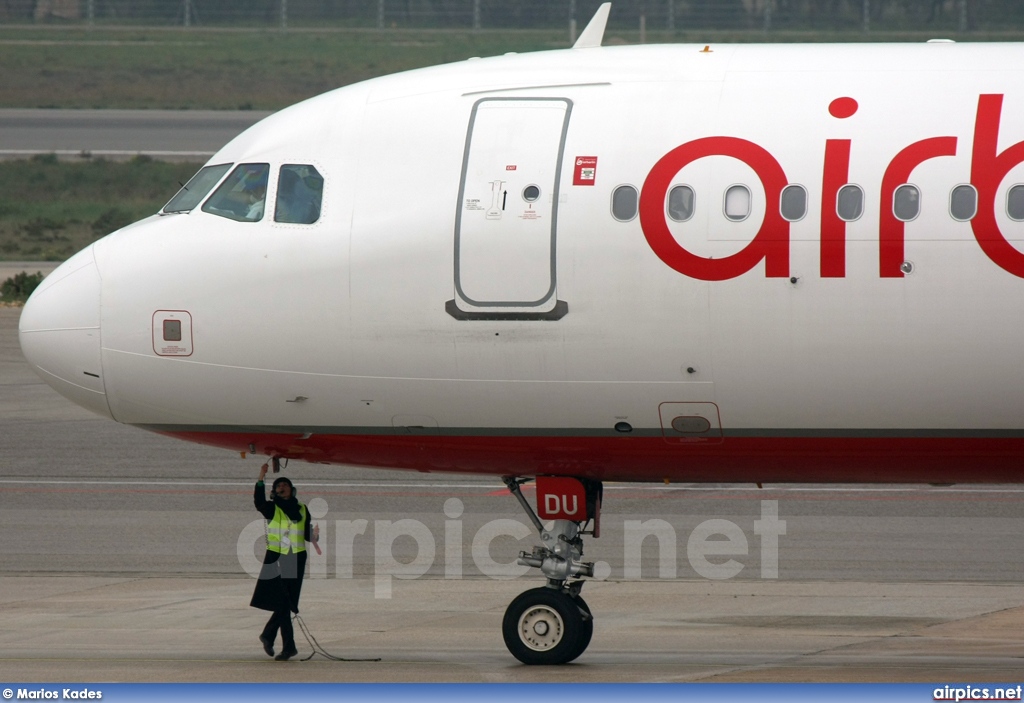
681 263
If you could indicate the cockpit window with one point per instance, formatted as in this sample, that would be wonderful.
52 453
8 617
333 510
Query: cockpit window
300 191
242 195
193 192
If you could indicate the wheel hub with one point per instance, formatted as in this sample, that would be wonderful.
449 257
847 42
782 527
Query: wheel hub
541 628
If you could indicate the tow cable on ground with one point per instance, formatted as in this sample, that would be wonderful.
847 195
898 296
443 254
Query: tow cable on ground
318 648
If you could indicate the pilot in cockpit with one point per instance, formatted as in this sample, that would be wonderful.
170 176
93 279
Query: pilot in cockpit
256 192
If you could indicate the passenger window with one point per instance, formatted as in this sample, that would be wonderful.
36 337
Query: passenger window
963 203
850 203
193 192
793 203
243 194
300 192
1015 203
680 203
624 203
906 203
737 203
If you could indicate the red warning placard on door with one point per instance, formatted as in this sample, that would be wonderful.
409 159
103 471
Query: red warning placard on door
585 172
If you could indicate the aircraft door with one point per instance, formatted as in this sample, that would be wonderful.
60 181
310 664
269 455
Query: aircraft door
507 214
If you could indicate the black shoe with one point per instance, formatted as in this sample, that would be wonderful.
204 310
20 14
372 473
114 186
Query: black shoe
268 645
286 654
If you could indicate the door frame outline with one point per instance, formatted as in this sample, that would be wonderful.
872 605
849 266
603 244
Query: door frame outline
481 314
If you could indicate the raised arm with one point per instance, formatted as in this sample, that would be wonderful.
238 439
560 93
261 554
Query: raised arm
259 496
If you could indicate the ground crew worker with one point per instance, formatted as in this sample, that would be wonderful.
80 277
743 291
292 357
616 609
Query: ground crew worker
280 581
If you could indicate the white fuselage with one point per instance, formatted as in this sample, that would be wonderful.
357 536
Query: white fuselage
479 293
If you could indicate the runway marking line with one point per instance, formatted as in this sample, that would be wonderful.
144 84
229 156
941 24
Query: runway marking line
608 487
435 490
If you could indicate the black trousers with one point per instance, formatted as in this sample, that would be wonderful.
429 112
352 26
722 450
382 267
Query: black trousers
281 620
278 590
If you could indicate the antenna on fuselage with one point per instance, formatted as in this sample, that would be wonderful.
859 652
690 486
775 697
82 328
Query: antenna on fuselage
593 34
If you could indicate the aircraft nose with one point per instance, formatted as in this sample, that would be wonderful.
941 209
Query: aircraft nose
59 332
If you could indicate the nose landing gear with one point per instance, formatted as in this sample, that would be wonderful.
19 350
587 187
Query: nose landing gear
553 624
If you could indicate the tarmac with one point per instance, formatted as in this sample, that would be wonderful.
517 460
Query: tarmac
90 629
169 135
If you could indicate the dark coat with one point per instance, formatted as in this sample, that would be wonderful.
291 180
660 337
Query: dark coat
280 582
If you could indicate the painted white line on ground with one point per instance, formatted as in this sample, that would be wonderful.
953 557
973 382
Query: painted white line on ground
494 486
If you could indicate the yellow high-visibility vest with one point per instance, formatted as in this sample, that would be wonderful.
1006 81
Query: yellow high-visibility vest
283 535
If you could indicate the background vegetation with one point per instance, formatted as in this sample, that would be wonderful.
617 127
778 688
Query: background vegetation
220 69
270 69
19 287
51 209
523 14
232 55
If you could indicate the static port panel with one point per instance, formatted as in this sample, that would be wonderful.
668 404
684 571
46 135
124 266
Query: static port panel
172 333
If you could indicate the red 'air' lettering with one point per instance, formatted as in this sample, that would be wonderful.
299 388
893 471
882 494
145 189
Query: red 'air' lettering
770 244
835 174
987 171
890 229
833 229
843 108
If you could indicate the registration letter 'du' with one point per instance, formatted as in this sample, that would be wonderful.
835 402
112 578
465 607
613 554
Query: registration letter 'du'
561 498
560 504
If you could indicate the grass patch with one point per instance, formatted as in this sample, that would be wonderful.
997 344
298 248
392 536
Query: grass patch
50 209
211 69
201 68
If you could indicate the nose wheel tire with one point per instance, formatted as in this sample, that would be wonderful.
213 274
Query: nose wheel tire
587 630
546 626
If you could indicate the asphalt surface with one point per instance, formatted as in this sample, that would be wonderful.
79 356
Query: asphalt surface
167 134
127 556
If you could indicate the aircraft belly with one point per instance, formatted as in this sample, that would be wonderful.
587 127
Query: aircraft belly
932 457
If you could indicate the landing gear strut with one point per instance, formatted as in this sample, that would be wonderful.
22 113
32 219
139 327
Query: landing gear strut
553 624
